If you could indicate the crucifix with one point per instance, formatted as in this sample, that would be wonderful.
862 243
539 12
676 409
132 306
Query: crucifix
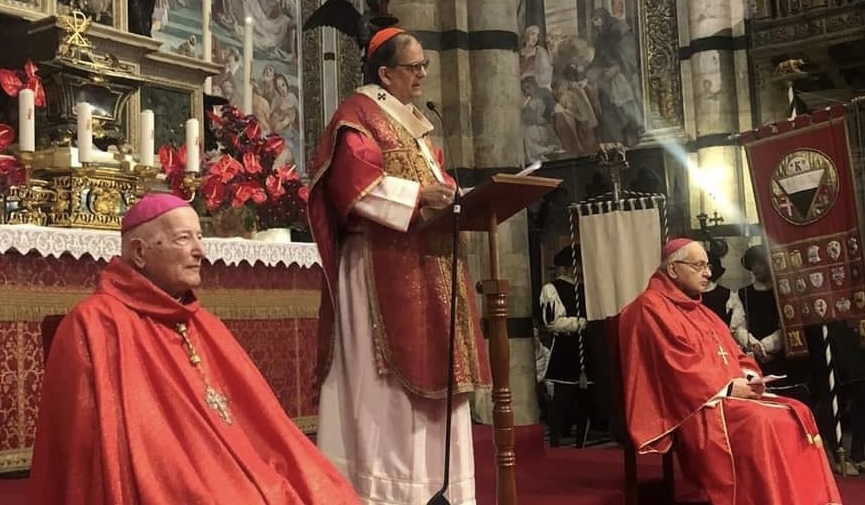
218 402
722 353
716 219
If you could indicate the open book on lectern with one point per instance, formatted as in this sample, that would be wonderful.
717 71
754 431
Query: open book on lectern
494 200
528 170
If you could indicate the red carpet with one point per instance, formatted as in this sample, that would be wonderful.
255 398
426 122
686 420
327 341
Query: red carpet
586 476
544 477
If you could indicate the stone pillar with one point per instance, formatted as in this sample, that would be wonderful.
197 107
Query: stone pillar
474 78
715 71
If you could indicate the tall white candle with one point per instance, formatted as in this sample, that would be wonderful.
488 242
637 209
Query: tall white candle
146 143
247 65
26 120
206 40
85 132
193 146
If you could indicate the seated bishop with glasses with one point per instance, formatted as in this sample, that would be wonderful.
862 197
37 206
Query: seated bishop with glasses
686 378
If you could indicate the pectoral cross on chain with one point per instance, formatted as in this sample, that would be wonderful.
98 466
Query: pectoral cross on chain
722 353
218 402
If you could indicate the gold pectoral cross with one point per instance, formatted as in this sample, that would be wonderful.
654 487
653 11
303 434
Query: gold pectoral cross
218 402
722 353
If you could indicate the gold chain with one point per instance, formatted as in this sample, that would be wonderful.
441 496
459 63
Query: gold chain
213 398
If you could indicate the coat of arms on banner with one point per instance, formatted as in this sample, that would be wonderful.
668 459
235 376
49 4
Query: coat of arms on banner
804 186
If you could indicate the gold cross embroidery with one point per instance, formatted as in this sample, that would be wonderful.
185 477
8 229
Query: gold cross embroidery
722 353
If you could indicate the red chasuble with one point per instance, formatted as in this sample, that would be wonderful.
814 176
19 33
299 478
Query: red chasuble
123 416
676 357
409 273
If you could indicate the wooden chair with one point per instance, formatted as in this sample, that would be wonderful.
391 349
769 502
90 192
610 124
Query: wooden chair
619 428
48 328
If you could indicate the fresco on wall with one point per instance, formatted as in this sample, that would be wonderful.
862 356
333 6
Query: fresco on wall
277 88
579 76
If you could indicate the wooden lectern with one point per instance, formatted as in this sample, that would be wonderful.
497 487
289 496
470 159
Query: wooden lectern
483 208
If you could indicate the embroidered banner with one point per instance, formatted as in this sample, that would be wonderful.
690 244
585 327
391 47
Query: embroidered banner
803 184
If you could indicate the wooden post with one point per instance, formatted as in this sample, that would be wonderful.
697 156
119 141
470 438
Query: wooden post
496 292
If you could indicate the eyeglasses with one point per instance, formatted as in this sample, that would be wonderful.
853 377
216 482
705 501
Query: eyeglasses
416 68
698 266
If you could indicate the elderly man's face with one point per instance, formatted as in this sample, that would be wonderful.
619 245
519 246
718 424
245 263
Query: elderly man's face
172 253
692 273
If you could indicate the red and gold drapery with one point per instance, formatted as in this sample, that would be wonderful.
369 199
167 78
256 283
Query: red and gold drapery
804 187
271 310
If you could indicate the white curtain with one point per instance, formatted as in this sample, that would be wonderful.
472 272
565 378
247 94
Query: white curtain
621 250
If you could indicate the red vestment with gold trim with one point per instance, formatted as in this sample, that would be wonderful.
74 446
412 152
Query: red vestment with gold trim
409 272
676 357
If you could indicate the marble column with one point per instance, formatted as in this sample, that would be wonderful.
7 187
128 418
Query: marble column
715 71
474 78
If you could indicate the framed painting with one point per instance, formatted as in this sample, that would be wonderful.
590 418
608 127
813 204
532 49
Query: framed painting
27 9
591 73
171 107
276 66
107 12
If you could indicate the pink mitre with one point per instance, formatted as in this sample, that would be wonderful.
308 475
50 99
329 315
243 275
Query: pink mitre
151 206
673 246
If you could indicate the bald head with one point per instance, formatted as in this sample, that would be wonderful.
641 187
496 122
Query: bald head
167 250
688 268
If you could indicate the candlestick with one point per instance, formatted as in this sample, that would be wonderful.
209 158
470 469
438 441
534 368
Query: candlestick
146 143
193 146
26 120
247 65
85 132
206 40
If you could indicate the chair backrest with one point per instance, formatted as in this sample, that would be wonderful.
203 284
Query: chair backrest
49 328
618 425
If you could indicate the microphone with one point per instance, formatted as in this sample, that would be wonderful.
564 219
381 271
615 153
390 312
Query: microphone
435 110
439 497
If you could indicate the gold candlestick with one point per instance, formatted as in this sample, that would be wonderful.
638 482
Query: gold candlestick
190 183
26 158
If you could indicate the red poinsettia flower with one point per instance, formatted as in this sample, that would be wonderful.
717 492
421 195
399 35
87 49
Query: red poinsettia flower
10 82
245 172
253 131
35 83
213 190
248 190
251 163
174 165
215 118
226 168
274 145
7 135
274 186
13 82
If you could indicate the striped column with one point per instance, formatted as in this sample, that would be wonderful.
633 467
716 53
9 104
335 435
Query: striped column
715 74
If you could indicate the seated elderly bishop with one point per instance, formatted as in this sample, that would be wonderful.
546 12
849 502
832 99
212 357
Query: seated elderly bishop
148 399
686 379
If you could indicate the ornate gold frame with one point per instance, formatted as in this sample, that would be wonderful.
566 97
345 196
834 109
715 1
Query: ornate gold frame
661 73
26 10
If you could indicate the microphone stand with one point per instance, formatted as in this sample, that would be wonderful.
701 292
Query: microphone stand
439 497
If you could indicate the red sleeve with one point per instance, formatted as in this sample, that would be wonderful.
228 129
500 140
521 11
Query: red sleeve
357 166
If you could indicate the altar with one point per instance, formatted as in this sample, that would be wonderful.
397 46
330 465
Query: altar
266 293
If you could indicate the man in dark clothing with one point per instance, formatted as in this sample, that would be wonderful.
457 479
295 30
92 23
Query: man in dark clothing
563 310
724 301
